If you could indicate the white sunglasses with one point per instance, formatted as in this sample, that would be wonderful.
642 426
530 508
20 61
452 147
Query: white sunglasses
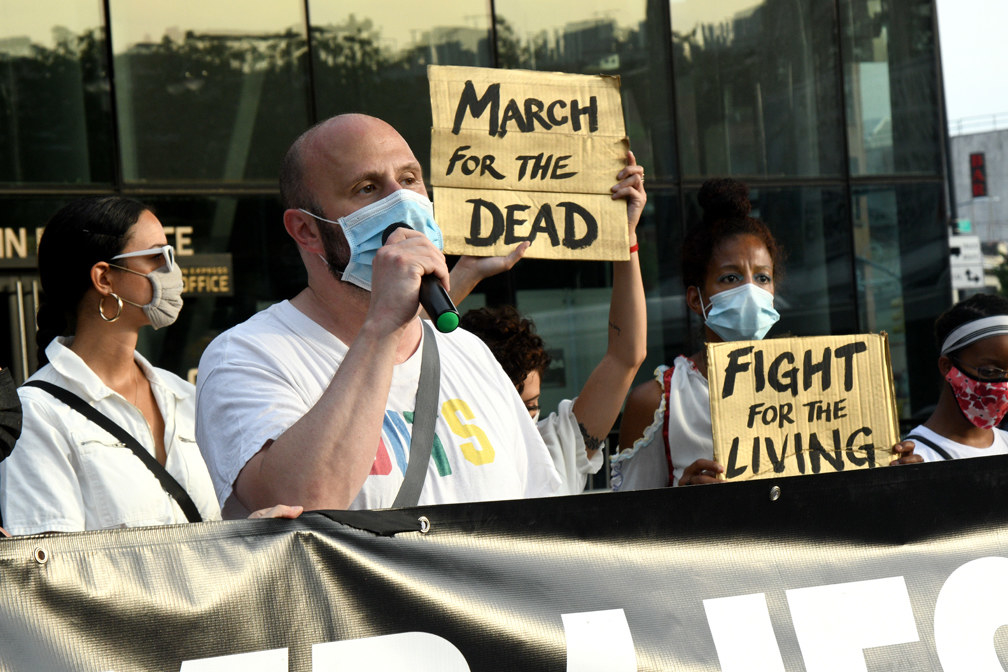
167 250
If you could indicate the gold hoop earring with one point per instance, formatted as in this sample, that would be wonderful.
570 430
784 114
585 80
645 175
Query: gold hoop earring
101 312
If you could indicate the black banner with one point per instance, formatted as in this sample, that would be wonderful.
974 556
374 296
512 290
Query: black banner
902 568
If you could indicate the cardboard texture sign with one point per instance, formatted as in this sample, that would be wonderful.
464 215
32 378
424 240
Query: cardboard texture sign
791 406
519 155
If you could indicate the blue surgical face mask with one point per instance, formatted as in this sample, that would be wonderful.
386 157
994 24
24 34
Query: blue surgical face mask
363 229
743 313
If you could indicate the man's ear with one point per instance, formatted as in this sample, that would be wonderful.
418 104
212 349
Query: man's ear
304 230
101 278
694 300
944 365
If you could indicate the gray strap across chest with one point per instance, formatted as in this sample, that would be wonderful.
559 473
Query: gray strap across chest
424 415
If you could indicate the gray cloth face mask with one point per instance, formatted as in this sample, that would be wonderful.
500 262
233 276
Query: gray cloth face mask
166 299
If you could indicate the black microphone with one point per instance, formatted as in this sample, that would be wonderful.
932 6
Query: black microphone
433 297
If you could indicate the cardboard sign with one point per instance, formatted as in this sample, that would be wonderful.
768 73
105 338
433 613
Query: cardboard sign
791 406
519 155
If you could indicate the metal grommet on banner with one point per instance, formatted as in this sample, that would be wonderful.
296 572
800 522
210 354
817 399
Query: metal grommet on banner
424 524
41 556
775 493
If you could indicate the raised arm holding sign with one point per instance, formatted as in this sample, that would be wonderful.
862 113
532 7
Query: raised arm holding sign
575 431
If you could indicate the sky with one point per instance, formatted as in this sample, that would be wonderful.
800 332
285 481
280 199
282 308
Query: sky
974 49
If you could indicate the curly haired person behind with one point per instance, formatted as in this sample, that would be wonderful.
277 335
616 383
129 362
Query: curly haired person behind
516 345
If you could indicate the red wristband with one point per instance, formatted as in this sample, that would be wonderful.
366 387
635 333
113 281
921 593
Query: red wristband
634 248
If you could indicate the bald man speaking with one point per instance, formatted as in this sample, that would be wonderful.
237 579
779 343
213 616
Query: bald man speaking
313 400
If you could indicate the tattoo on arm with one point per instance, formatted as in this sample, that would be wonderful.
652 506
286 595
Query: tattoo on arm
615 327
591 442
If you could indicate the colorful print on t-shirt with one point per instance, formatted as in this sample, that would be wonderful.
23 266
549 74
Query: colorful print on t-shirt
396 434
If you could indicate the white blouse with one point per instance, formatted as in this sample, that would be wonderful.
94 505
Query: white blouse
67 474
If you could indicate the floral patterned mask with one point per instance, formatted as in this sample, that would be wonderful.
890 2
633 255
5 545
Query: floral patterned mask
983 403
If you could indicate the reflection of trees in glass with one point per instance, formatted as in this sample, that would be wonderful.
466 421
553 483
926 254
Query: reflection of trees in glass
211 107
636 51
513 52
590 46
54 111
890 85
757 91
356 70
348 58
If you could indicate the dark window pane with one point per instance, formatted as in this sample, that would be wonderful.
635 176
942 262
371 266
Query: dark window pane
601 36
205 95
756 87
903 281
816 292
55 121
891 86
373 58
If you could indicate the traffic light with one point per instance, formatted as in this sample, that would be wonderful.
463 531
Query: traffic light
978 174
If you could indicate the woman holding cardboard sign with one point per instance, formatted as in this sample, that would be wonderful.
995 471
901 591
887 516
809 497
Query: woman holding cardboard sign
972 337
729 264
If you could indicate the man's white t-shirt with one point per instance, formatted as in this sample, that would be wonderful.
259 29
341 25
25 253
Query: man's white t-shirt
260 377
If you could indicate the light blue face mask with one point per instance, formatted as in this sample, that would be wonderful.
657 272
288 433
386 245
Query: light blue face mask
743 313
363 229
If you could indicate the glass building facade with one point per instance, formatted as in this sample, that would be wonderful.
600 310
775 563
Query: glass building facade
831 111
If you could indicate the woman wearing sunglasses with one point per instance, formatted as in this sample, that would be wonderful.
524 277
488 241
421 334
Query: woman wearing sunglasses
106 272
972 337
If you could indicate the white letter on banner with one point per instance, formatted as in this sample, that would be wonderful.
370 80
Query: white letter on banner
836 623
743 635
971 606
413 651
273 660
599 641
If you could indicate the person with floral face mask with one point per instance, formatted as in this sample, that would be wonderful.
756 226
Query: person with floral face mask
107 272
730 264
972 337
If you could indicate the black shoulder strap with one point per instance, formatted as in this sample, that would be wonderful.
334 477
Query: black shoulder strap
424 414
168 482
929 443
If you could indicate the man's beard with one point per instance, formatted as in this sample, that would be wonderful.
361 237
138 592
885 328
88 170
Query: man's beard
337 250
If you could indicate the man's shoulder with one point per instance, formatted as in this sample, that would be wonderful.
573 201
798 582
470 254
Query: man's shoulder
466 349
264 325
259 337
465 342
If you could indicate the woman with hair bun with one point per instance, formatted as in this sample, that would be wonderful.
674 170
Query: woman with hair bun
972 337
730 263
106 271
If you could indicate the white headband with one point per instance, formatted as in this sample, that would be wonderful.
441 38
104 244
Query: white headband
971 332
